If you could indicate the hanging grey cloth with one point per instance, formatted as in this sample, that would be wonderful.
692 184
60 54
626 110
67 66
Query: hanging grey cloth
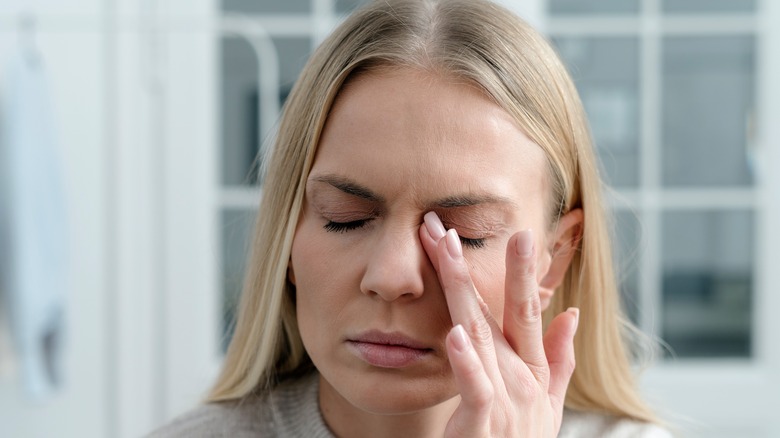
34 236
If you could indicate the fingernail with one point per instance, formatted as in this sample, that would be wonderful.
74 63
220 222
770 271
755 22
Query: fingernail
434 225
525 243
459 338
576 312
453 244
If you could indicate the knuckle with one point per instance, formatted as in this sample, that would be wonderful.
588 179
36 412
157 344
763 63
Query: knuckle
483 399
530 310
479 330
461 278
528 389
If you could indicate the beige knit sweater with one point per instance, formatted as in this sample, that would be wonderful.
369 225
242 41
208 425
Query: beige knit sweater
292 410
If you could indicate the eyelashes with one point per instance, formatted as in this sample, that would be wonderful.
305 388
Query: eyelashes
472 243
343 227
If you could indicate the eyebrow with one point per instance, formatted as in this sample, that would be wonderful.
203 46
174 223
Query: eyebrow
352 188
469 201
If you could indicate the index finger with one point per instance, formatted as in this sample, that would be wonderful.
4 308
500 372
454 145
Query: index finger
463 301
431 232
465 306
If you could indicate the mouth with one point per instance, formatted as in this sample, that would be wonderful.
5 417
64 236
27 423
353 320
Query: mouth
388 350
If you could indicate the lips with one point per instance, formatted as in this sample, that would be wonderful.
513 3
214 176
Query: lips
388 350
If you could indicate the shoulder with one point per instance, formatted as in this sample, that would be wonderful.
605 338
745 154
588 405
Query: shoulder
291 409
578 424
209 420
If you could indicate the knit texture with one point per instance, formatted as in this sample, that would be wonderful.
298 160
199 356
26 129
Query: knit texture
292 410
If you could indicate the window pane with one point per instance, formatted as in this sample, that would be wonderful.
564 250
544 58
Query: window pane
347 6
705 6
564 7
267 6
628 238
239 79
240 111
627 248
293 54
606 72
708 283
708 85
236 229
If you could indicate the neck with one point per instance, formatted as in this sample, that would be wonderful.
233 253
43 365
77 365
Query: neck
347 421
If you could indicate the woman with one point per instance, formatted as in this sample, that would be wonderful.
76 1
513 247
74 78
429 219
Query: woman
430 239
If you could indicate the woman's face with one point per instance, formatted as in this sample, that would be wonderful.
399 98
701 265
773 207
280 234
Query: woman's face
397 145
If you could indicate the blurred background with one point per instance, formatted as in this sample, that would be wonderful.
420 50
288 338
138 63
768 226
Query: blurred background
128 186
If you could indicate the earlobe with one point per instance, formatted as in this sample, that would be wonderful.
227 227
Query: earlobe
567 237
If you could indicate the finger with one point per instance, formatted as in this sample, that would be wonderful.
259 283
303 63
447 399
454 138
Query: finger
476 390
463 300
559 345
465 306
431 231
522 307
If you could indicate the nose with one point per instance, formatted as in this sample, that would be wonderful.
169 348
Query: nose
396 267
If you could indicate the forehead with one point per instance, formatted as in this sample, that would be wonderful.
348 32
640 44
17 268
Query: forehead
409 132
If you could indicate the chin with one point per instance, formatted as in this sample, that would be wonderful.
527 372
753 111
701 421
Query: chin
385 393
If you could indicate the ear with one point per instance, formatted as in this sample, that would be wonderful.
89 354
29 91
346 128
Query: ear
566 241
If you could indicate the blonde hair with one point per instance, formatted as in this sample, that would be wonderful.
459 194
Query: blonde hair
485 45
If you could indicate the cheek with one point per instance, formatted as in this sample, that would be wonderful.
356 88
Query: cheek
316 300
311 254
308 266
324 277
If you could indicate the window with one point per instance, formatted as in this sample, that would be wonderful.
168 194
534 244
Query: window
669 91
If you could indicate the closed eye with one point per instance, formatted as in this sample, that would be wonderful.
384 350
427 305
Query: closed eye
472 243
343 227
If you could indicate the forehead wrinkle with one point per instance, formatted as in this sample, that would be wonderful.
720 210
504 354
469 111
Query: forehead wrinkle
348 186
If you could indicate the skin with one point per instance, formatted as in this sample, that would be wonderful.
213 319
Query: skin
405 155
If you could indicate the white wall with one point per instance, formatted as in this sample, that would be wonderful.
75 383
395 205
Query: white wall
132 84
532 11
70 39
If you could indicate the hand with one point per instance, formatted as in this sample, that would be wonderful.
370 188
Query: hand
512 382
